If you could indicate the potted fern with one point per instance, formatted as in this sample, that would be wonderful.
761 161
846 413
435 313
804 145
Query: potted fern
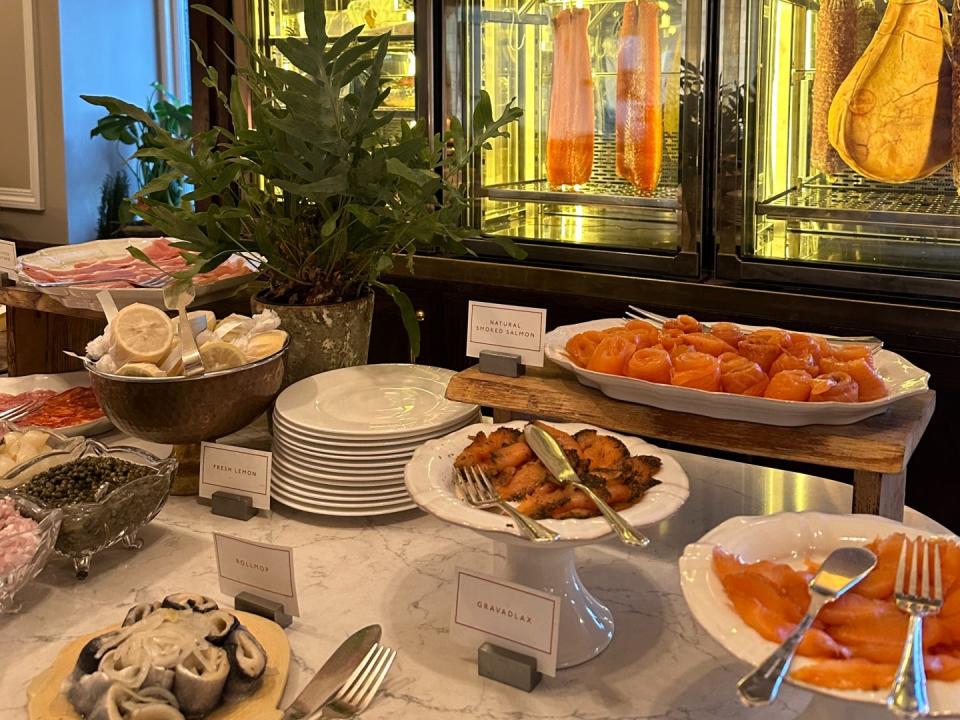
315 184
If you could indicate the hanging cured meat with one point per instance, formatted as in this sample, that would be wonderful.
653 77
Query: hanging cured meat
570 126
890 120
639 105
956 93
835 55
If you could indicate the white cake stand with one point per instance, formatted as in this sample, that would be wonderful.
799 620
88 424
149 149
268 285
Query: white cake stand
586 624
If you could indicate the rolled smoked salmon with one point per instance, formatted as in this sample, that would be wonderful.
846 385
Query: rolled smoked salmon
741 376
788 361
611 355
580 349
570 126
869 383
696 370
651 364
639 105
790 385
834 387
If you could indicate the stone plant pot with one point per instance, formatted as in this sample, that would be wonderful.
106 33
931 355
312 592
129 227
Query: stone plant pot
323 337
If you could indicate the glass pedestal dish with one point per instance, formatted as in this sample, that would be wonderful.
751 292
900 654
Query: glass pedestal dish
116 518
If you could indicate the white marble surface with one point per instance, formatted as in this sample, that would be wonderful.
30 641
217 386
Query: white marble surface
397 572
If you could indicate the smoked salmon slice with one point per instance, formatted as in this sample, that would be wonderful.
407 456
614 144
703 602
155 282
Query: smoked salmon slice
834 387
869 383
570 126
639 104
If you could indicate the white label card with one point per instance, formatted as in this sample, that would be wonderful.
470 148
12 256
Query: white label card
262 569
506 328
236 470
8 255
515 617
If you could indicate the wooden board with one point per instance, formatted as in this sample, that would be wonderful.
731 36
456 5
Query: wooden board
881 444
46 702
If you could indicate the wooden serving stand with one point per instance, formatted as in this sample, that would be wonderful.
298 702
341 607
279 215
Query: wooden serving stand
877 449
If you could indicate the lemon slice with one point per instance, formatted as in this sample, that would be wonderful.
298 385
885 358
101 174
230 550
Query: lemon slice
264 344
219 355
140 369
141 334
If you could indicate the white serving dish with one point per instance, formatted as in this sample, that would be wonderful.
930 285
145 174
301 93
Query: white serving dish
351 494
57 383
340 502
373 401
430 480
332 462
789 538
64 257
902 378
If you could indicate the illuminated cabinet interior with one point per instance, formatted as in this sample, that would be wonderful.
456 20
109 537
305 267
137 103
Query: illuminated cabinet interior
274 19
509 49
794 211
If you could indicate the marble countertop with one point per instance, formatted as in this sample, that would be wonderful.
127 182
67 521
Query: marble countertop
397 571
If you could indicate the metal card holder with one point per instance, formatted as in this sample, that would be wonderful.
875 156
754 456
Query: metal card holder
256 605
508 667
501 363
232 505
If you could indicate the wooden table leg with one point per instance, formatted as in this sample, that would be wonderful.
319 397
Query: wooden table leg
879 493
502 416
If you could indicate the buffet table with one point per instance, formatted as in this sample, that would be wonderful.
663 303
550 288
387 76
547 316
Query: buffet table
397 572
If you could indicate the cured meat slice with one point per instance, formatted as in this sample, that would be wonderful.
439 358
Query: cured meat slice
651 364
790 385
639 104
570 125
696 370
835 56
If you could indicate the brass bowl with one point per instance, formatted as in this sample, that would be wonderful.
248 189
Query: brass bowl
183 411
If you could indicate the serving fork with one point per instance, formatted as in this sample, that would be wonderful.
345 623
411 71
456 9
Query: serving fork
908 695
478 491
18 411
361 687
635 313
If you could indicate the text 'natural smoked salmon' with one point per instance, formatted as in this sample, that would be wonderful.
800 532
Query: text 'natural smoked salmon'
570 125
639 103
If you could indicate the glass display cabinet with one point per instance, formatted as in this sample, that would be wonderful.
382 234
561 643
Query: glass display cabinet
833 167
583 68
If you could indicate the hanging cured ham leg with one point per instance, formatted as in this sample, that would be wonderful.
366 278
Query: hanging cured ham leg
639 105
570 126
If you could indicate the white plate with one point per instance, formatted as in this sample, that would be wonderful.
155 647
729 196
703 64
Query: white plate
430 480
387 443
79 296
58 383
338 452
902 378
345 484
338 475
373 401
308 494
790 538
339 512
331 492
333 462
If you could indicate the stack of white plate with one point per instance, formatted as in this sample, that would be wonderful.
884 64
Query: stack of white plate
341 439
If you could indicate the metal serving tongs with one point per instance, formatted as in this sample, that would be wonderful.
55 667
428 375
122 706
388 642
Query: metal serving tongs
177 296
874 343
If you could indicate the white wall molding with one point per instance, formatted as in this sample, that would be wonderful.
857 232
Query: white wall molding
29 198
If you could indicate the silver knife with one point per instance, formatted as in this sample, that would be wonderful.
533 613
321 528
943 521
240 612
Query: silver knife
842 569
334 673
546 448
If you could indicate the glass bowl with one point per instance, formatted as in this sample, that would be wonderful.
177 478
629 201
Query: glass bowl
45 535
58 444
88 528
